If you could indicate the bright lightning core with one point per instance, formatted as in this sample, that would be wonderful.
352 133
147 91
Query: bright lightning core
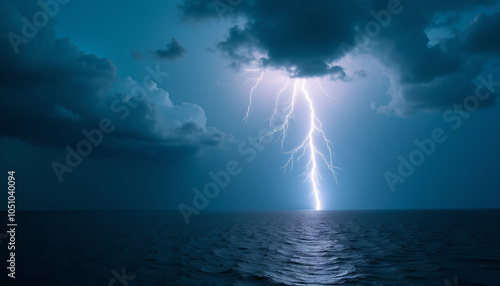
309 146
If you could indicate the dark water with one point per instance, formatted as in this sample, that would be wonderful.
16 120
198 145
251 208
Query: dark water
272 248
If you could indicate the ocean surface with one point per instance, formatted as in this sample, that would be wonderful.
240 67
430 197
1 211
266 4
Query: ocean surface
454 247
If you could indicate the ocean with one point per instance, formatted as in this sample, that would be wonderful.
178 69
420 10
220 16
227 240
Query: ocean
412 247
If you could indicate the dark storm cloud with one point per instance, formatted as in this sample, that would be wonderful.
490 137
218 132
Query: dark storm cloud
173 52
301 37
307 38
481 36
404 44
51 90
435 76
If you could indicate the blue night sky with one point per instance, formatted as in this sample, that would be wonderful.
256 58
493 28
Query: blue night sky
401 84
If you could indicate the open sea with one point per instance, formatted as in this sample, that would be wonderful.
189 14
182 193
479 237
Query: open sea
424 247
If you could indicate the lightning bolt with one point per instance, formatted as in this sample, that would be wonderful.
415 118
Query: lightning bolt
257 81
323 90
316 126
283 128
309 144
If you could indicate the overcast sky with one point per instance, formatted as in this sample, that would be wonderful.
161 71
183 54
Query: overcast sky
412 106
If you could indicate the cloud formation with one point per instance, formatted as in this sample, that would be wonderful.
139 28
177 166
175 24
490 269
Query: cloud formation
299 37
51 90
433 55
173 52
430 52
